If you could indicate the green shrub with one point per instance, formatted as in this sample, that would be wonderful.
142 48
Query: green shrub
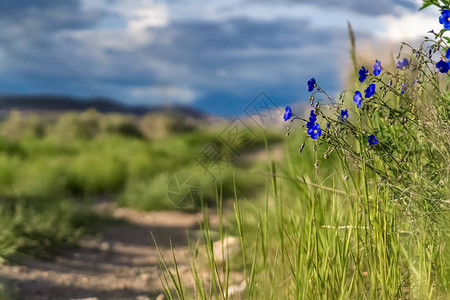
96 173
149 194
115 123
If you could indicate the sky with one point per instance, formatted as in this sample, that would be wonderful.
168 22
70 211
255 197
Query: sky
216 56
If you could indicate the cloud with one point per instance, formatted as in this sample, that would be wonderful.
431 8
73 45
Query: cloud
409 27
371 8
133 14
215 55
253 53
21 6
45 15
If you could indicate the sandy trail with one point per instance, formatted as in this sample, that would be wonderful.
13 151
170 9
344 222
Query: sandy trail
121 263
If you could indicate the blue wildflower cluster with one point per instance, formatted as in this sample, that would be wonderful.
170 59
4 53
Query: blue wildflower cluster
390 135
442 65
371 98
312 126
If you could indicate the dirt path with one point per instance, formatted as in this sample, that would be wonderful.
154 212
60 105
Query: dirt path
122 263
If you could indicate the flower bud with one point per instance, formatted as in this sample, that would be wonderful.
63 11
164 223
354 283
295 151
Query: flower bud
301 148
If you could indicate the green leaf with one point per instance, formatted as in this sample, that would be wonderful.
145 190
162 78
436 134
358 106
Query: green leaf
446 3
427 3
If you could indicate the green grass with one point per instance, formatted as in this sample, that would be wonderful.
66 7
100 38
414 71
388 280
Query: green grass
343 220
32 226
318 235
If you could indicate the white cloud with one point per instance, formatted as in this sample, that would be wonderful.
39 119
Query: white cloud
409 26
141 19
137 14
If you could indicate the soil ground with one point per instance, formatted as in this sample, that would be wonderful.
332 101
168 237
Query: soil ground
120 263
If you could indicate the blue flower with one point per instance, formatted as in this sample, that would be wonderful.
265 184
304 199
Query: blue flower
444 19
442 66
357 98
401 64
405 62
287 113
403 88
344 114
447 54
372 140
315 131
370 90
311 84
312 117
377 67
328 125
362 74
310 124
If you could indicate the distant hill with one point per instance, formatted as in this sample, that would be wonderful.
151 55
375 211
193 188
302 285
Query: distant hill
52 103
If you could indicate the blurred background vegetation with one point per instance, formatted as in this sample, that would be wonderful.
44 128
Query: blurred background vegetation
54 166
